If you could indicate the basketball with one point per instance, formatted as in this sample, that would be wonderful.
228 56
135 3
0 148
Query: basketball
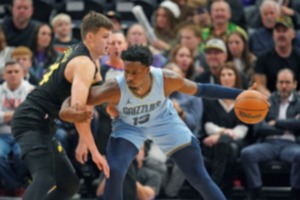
251 107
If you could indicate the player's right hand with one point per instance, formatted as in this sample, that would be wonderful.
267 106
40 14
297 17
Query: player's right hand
101 163
81 153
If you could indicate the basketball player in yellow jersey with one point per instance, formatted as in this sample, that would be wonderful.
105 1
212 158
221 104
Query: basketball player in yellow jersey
32 124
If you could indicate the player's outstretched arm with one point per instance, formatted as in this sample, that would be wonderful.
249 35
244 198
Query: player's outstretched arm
74 113
109 92
173 82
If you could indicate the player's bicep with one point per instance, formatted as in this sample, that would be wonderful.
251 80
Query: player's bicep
82 79
109 92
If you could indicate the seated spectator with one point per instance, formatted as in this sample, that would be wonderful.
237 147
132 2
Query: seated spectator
62 27
225 134
216 55
116 19
19 28
290 8
261 40
239 54
44 53
23 55
5 51
136 34
277 134
190 36
165 25
183 58
221 26
237 10
12 93
283 55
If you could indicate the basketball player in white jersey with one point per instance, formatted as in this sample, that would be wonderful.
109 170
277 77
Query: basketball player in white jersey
140 95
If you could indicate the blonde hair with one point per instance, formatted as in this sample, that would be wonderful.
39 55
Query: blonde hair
61 17
21 51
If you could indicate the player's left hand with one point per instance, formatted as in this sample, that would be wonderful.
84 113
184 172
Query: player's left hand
101 163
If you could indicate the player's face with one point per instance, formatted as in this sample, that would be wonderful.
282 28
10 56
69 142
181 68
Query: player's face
227 77
135 74
100 41
285 84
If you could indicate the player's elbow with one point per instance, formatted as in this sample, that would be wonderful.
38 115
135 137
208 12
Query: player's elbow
65 116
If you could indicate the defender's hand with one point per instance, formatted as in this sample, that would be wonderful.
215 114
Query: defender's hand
101 163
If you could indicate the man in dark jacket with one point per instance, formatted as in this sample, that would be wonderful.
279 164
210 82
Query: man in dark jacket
278 133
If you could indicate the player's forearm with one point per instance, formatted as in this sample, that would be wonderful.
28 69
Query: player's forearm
215 91
85 133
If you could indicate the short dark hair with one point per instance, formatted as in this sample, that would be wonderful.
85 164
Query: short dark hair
92 22
289 71
11 62
138 53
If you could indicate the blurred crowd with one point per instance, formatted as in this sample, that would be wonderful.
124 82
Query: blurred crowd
232 43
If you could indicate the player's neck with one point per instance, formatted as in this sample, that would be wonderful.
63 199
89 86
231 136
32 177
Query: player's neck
95 56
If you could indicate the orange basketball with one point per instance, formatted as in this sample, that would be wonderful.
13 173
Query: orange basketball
251 107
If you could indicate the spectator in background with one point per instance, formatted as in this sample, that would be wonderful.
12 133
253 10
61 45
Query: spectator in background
290 8
201 17
183 58
225 134
283 55
165 25
136 34
216 55
44 53
221 26
239 54
5 51
237 10
19 28
116 19
12 93
278 134
261 40
23 55
62 27
190 36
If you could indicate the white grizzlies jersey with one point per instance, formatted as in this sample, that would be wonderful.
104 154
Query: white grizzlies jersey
146 111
